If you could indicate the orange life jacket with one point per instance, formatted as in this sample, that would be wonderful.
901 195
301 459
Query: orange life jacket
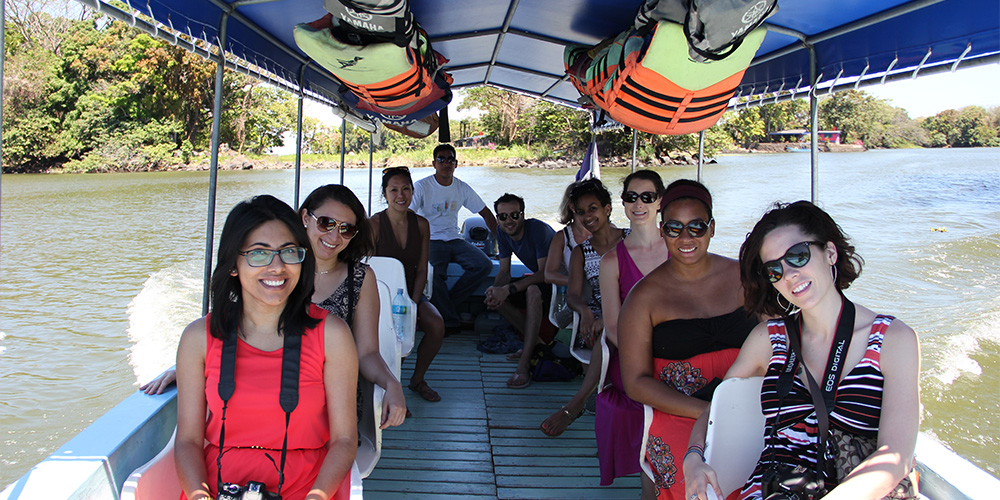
655 87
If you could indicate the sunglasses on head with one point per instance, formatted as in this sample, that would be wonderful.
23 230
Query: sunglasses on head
393 170
797 256
446 159
513 216
260 257
696 228
326 224
646 197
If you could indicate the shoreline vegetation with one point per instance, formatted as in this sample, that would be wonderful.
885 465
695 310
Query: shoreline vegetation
231 161
84 93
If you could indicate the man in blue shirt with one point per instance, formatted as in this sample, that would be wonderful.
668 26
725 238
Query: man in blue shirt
529 239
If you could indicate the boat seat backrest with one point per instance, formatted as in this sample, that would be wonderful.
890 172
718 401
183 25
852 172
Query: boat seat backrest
735 435
553 304
390 271
581 353
157 479
387 344
369 433
605 357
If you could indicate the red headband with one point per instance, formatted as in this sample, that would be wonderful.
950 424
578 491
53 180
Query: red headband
686 191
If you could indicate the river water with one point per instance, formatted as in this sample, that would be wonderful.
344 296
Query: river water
100 273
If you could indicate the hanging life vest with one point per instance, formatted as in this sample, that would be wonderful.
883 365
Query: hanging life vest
381 78
364 22
645 79
713 28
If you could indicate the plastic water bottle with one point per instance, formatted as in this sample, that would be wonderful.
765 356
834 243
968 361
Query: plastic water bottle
399 306
560 297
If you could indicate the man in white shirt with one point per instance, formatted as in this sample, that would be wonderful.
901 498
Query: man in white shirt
438 198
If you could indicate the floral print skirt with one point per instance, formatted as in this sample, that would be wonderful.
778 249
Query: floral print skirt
668 434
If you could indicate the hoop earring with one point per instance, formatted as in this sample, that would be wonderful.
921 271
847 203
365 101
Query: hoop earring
233 297
835 275
789 309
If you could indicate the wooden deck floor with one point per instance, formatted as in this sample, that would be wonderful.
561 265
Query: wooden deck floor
482 439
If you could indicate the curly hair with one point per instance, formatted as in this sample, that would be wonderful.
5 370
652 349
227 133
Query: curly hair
590 186
760 296
362 244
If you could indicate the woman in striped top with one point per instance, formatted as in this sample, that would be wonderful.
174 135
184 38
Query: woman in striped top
798 257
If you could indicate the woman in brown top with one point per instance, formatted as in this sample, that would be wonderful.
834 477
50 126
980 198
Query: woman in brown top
402 234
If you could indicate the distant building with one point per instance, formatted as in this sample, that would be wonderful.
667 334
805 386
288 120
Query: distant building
802 135
474 141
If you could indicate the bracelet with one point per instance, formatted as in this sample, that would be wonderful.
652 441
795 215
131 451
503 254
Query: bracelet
696 451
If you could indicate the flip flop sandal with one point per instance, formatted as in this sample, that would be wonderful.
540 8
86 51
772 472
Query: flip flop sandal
523 378
425 391
514 356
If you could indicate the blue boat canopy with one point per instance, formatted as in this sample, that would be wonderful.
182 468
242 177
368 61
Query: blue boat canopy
518 45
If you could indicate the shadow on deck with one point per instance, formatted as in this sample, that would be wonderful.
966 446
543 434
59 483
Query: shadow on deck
482 439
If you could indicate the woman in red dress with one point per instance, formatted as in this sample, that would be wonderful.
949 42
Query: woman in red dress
261 291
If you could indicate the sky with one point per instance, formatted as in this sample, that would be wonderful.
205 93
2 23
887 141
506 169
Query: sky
929 95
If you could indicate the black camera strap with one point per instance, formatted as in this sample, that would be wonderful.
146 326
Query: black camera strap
288 397
824 398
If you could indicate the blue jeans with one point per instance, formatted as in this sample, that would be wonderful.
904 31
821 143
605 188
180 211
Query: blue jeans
474 262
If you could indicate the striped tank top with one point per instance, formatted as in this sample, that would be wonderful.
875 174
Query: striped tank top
857 408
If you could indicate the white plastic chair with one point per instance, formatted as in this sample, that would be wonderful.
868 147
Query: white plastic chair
552 305
388 345
735 436
605 358
157 479
391 272
369 433
583 354
429 286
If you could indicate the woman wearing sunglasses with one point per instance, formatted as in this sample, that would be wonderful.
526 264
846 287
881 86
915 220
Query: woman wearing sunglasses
618 422
560 251
795 265
402 234
591 203
261 309
341 236
680 328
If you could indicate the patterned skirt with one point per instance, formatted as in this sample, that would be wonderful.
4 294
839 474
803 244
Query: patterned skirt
669 434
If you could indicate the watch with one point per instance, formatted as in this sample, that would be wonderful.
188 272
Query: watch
511 289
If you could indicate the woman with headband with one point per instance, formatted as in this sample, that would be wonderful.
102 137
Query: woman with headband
680 330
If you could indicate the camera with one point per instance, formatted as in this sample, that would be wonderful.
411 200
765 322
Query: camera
252 491
783 482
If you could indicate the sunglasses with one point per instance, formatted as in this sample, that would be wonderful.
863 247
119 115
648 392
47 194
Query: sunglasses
446 159
696 228
326 224
797 256
393 170
646 197
513 216
260 257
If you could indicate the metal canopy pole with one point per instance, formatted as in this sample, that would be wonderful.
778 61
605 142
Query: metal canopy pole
343 148
3 51
701 152
298 137
813 127
371 157
220 66
635 144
